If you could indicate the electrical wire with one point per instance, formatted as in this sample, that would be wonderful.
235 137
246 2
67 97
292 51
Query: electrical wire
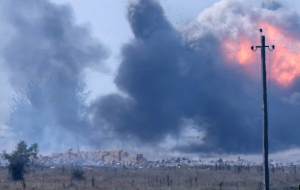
138 70
269 88
113 74
151 68
153 55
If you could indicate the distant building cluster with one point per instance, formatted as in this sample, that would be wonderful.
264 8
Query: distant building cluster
88 158
91 158
121 158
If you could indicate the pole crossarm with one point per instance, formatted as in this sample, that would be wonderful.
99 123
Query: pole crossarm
273 47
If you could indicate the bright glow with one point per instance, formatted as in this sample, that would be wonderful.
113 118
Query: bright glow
285 66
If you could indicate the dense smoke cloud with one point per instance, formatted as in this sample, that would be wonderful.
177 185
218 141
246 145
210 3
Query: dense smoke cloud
170 75
46 53
45 41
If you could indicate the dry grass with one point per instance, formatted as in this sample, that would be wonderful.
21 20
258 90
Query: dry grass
203 178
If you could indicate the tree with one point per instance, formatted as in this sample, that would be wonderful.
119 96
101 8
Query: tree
20 159
77 174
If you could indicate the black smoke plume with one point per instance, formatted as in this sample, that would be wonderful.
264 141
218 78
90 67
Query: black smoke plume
169 75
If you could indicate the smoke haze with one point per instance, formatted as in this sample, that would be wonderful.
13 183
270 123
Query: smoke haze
196 82
47 54
200 77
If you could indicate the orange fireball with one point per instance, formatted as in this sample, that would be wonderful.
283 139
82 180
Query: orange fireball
284 61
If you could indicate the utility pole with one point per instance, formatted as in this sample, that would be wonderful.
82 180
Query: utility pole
79 150
265 109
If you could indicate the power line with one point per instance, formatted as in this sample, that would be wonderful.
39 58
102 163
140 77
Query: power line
153 55
10 71
151 68
269 89
138 70
115 73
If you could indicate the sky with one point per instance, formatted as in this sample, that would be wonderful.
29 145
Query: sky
116 32
98 73
107 21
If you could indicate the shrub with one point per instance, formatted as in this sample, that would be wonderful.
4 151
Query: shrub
77 174
20 159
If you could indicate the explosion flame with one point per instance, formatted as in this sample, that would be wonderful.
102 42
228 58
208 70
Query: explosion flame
284 61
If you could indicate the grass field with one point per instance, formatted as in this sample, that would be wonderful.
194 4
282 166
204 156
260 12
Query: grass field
200 177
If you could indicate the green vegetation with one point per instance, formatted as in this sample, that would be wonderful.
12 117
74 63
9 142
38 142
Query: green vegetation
19 160
77 173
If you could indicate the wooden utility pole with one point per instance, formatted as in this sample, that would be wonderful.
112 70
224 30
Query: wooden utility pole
265 109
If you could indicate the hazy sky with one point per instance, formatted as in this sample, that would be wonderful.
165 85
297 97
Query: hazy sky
107 20
119 43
